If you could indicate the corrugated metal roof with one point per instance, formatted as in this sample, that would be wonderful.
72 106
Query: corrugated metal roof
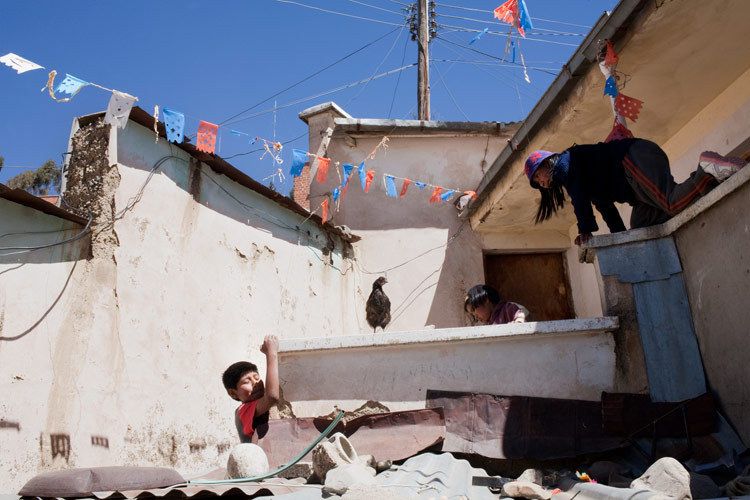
29 200
225 168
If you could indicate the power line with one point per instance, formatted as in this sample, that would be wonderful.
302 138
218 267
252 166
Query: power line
533 18
395 40
338 13
549 71
450 94
497 33
398 80
321 94
376 7
347 56
534 32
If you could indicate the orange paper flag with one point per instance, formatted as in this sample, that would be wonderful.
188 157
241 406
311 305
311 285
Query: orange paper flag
611 57
436 194
629 107
323 164
405 186
368 180
324 207
207 133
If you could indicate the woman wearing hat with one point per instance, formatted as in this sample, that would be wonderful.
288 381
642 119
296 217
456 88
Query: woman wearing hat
633 171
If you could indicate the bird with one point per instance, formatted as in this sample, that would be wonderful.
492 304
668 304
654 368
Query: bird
378 306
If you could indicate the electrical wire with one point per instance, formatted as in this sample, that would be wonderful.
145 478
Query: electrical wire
398 80
498 33
485 11
549 71
395 40
28 249
258 150
339 13
450 94
321 94
316 73
534 32
376 7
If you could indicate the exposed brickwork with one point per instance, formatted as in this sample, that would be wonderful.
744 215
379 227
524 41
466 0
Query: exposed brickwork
301 192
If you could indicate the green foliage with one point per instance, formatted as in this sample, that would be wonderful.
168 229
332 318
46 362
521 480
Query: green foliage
38 182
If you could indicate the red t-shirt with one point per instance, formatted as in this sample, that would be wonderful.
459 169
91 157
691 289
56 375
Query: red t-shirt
244 420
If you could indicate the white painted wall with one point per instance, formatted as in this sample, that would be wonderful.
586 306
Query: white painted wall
135 347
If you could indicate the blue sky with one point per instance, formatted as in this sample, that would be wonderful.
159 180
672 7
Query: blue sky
213 59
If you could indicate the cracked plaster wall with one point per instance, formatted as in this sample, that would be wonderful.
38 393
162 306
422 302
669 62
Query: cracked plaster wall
193 272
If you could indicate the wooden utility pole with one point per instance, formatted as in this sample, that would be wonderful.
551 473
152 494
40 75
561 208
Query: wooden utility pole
423 62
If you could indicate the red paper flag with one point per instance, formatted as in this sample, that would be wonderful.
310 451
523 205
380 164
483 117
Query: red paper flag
207 132
343 192
619 131
404 187
368 180
611 57
324 207
323 164
508 13
436 194
629 107
473 194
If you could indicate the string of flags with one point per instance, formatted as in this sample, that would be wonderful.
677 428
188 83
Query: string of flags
121 103
516 14
627 106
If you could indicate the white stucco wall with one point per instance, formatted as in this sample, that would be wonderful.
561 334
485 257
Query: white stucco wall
134 349
408 238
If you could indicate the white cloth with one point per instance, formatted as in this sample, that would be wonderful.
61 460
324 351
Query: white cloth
119 108
18 63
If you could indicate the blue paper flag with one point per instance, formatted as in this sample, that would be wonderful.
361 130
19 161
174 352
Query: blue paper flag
524 17
336 194
70 85
390 186
610 87
420 185
447 195
479 35
348 168
299 158
174 122
362 175
513 45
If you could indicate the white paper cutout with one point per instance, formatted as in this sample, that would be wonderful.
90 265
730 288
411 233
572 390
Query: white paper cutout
118 109
18 63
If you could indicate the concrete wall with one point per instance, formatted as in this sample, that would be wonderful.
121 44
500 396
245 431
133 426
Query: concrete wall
129 344
715 251
409 239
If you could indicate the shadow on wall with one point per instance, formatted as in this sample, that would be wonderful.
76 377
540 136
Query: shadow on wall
9 338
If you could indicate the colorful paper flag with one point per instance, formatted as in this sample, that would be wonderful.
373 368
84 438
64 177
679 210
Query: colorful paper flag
323 165
348 168
174 122
515 13
18 63
611 57
420 185
619 131
436 194
629 107
473 194
118 109
610 87
405 187
390 186
447 195
207 133
299 158
324 208
336 193
71 85
368 180
479 35
524 19
362 176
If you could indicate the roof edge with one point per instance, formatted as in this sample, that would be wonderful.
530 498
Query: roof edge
21 197
306 114
372 125
605 28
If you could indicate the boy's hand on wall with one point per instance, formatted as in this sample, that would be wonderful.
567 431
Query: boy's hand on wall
270 345
582 239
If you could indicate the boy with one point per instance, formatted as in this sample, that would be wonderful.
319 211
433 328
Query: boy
483 303
243 383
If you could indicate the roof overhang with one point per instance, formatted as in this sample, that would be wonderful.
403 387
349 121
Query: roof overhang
680 55
368 126
21 197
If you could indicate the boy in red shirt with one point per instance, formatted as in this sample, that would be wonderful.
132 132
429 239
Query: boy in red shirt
243 383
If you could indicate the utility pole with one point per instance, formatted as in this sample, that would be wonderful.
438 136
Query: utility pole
423 60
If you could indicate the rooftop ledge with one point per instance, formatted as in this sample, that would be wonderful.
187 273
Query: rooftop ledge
662 230
512 331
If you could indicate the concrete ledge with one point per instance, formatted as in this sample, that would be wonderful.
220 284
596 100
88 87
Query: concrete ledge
513 331
353 126
662 230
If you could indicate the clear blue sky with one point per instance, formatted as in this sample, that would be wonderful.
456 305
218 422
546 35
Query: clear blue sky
211 59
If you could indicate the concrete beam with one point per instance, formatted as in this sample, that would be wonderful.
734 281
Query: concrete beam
513 331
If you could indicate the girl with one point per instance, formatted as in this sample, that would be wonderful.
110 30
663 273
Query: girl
633 171
483 303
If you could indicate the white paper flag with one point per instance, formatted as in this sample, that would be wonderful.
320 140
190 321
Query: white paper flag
18 63
119 107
